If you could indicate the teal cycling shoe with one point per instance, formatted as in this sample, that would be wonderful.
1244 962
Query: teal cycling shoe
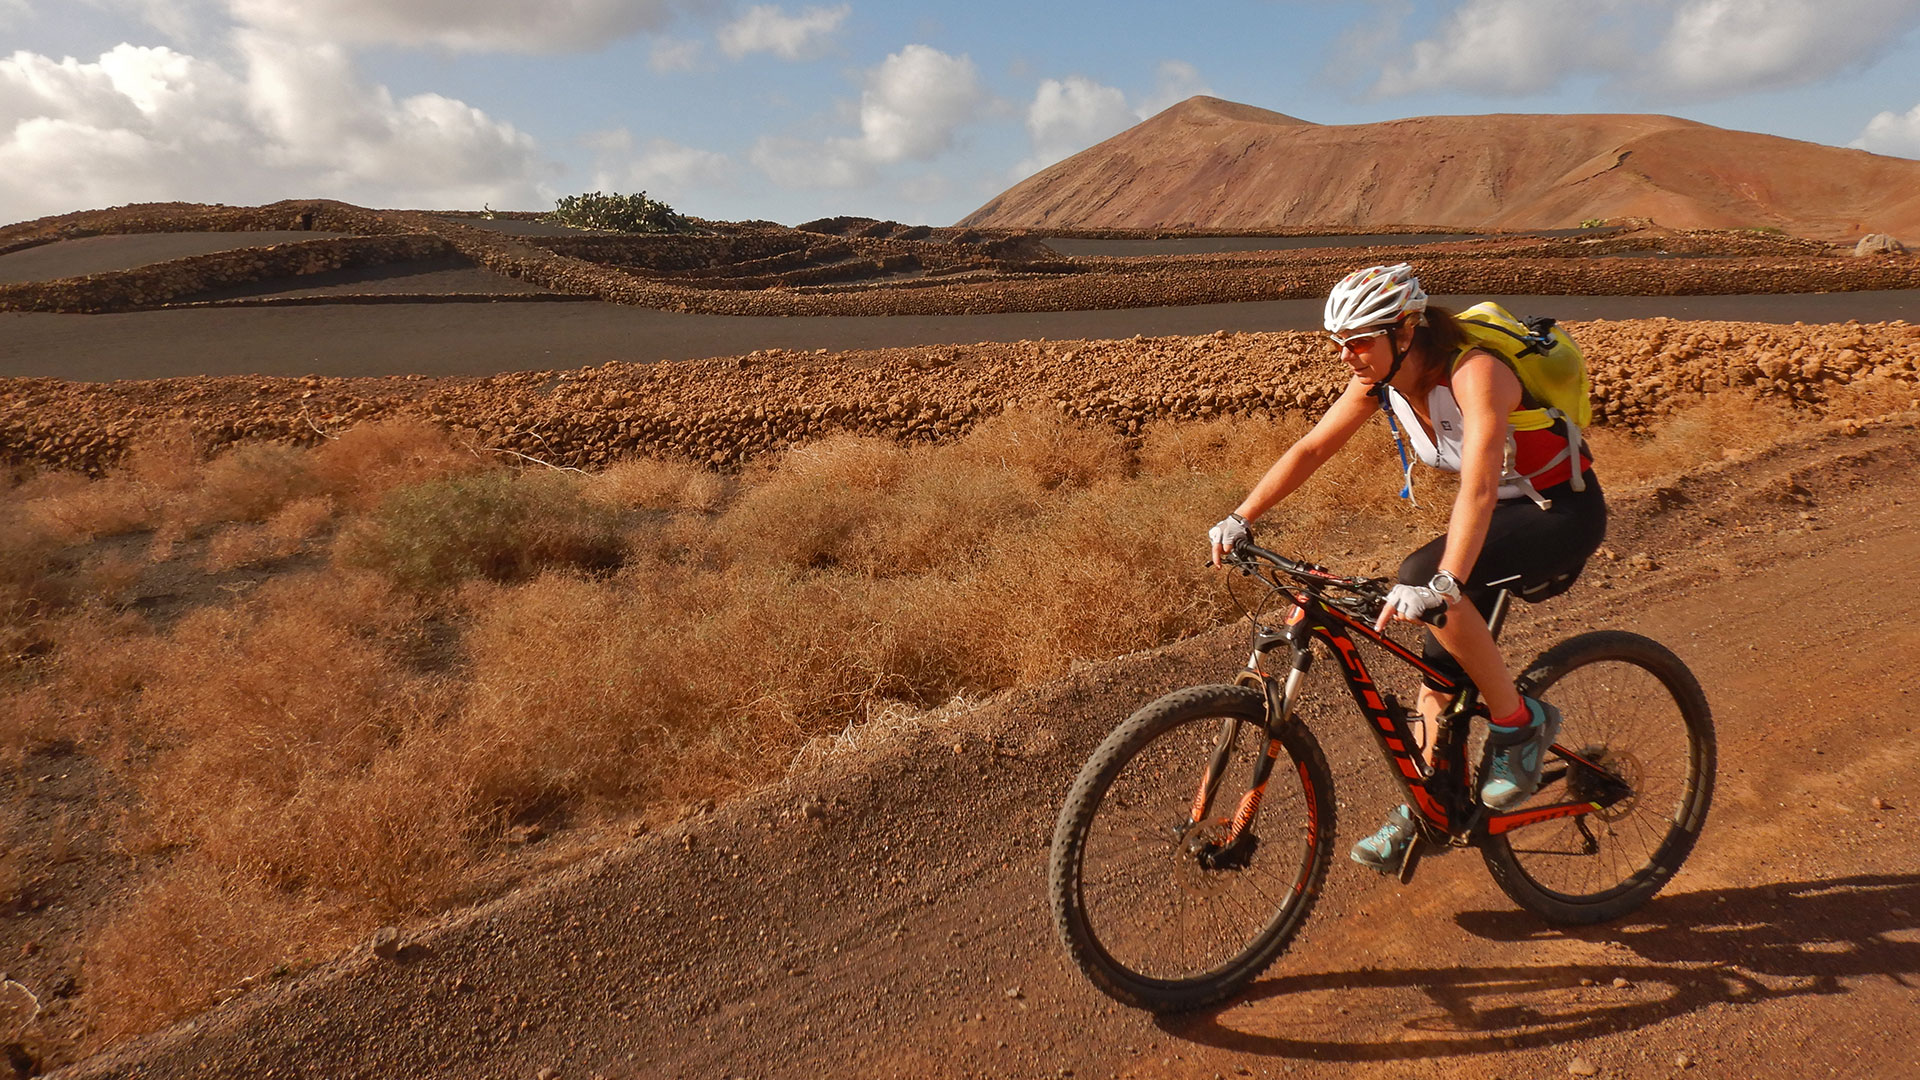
1519 754
1384 850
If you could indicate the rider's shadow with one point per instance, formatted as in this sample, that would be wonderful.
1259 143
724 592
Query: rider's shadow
1689 952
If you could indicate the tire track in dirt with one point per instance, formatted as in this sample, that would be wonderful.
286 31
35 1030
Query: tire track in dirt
886 915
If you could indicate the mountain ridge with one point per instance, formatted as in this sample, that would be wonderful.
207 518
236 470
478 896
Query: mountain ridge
1207 163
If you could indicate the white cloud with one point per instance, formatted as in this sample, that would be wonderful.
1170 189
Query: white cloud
1649 49
666 169
1502 47
1068 115
531 26
911 109
1174 82
766 28
1896 134
914 102
293 120
1714 48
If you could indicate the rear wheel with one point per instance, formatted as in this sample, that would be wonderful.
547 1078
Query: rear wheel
1632 708
1160 912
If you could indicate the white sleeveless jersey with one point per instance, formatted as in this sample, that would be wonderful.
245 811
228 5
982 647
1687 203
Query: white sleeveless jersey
1443 450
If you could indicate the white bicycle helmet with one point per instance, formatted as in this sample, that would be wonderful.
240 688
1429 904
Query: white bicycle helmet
1375 296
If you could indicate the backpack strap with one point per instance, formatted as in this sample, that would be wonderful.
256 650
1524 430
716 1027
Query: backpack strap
1537 342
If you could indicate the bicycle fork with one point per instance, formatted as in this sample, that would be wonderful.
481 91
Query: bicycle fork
1279 714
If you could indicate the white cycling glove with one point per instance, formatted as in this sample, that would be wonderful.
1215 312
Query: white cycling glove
1232 529
1410 602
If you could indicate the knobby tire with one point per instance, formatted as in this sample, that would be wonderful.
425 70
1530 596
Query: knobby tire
1149 923
1630 704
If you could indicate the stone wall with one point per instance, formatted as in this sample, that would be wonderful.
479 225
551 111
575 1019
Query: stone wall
726 411
161 283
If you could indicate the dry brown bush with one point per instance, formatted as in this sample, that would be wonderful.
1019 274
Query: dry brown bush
248 483
167 457
30 583
1241 448
236 546
80 509
806 508
1053 451
260 712
310 777
364 463
1115 569
12 858
658 484
299 521
189 936
88 683
503 525
1707 430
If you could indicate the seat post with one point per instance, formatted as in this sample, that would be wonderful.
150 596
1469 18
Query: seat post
1498 616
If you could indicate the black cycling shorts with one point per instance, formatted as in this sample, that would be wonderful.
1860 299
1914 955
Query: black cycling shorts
1544 549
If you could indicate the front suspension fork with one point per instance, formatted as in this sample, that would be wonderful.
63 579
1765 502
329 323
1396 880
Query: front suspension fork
1279 714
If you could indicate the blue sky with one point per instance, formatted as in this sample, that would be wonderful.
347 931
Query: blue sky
907 110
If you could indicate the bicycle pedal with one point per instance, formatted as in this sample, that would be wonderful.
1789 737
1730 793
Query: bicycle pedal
1411 860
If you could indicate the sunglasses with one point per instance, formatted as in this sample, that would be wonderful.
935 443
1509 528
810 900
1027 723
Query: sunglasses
1357 341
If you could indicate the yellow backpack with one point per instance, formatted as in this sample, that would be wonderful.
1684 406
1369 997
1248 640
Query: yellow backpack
1552 372
1551 368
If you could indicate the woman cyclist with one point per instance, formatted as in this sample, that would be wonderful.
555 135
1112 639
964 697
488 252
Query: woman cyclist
1518 519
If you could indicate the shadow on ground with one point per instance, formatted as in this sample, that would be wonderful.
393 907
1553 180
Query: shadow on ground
1792 939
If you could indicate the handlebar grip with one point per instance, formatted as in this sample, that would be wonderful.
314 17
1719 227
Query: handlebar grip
1437 619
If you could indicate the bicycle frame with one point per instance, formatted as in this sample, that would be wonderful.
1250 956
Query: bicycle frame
1442 795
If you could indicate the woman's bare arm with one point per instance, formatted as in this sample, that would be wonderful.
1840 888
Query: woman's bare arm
1486 391
1352 409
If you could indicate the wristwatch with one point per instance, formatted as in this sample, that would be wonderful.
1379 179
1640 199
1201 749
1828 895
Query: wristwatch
1446 585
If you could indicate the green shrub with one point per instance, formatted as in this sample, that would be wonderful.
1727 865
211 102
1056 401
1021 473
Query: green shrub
619 213
1593 223
501 525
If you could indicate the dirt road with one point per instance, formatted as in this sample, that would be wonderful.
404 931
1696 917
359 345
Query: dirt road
884 915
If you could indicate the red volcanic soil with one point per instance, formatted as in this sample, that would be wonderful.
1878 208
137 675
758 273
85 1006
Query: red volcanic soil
1212 164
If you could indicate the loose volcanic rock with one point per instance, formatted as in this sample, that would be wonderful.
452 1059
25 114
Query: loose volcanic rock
726 411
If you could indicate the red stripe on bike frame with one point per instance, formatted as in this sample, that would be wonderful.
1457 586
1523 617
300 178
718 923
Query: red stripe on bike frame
1385 726
1430 807
1500 823
1447 686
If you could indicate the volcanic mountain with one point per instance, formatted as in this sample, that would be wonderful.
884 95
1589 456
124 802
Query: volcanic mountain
1212 164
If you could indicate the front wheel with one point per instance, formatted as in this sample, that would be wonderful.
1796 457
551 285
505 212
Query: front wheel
1631 707
1165 913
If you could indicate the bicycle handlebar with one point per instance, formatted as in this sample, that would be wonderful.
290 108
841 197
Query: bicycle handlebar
1246 556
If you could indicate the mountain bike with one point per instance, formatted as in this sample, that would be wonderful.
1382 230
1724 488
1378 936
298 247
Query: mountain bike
1196 839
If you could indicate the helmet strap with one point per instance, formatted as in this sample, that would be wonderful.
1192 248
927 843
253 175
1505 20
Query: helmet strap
1399 354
